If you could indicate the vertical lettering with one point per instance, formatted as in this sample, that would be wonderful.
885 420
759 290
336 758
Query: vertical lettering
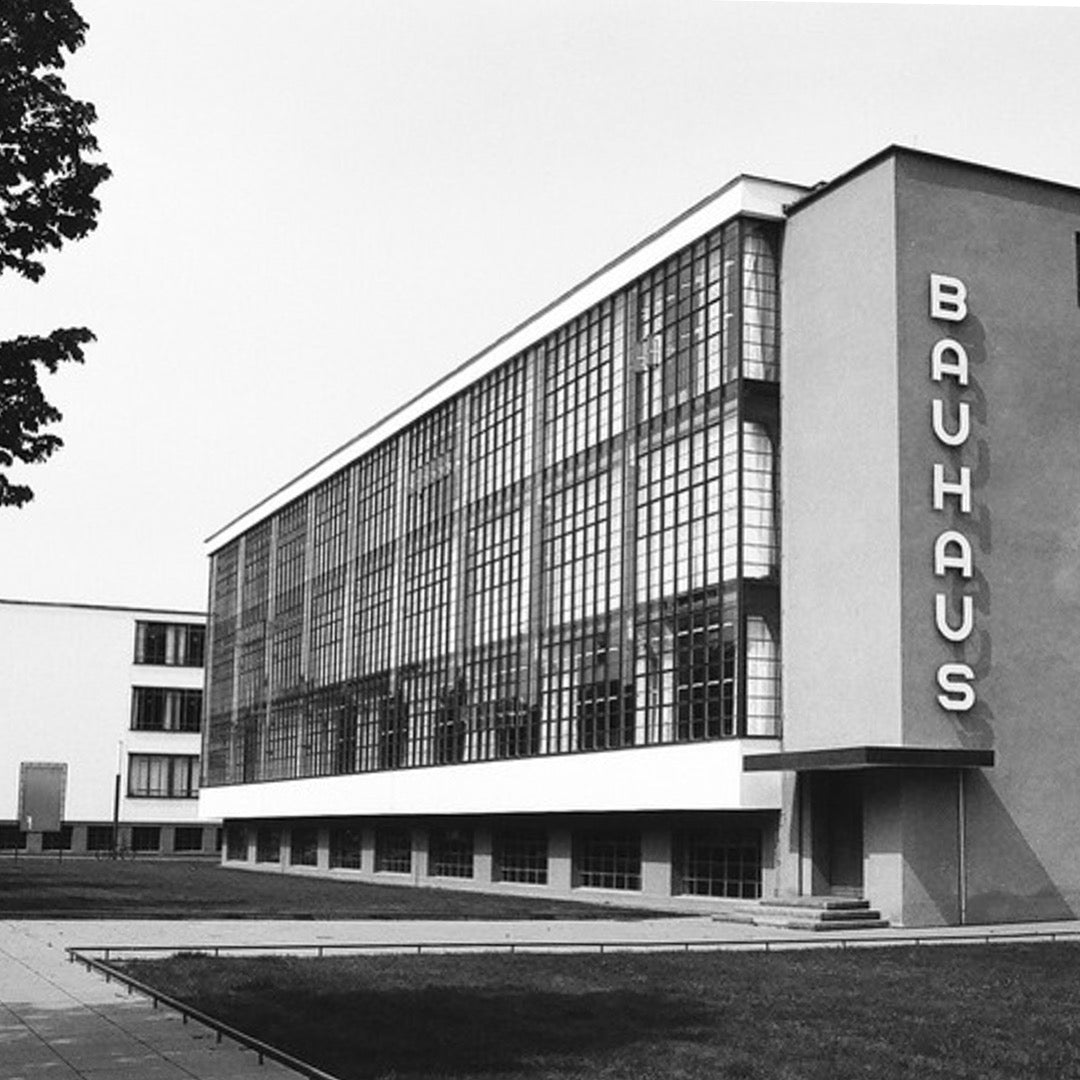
940 365
941 618
948 298
963 423
960 488
955 681
952 551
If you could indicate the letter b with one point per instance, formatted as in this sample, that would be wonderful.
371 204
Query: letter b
948 298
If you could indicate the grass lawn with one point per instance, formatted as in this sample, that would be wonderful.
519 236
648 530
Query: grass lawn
44 887
1006 1012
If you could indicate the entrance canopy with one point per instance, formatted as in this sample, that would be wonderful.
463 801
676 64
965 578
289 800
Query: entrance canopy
868 757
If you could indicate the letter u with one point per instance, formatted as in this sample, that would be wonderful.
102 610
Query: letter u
941 618
963 423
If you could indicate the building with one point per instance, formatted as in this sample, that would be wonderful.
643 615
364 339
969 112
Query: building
748 568
101 713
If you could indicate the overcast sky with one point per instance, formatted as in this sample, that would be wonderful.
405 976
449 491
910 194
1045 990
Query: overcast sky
320 206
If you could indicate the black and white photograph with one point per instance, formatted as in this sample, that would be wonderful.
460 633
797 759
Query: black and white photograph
539 539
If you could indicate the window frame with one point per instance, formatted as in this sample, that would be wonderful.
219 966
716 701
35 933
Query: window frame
160 643
180 774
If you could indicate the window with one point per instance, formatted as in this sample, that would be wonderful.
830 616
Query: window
450 853
450 726
163 776
608 860
99 838
762 677
550 561
393 850
171 644
57 841
146 838
155 708
236 843
605 715
268 844
345 844
188 838
521 855
508 728
12 838
718 863
759 302
304 846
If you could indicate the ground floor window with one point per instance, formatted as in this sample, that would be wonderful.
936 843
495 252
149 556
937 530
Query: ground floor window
12 838
146 838
450 853
608 860
187 838
57 841
345 845
718 863
236 843
268 844
393 850
520 855
99 838
304 846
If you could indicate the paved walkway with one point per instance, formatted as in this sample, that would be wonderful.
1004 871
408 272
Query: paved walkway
59 1022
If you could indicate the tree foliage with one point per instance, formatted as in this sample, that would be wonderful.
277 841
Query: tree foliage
47 185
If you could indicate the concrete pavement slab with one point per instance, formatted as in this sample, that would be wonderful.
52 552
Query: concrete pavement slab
61 1022
58 1021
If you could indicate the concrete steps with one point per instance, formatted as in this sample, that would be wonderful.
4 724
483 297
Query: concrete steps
818 913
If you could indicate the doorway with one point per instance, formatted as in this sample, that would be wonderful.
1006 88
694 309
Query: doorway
838 833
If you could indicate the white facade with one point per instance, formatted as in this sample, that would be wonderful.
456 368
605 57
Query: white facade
694 777
67 698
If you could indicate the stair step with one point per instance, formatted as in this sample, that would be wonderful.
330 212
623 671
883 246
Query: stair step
818 913
862 915
827 916
815 926
816 903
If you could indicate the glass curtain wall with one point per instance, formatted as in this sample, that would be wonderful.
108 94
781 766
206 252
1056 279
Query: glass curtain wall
576 553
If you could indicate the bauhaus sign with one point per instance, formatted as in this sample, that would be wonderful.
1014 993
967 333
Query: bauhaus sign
953 553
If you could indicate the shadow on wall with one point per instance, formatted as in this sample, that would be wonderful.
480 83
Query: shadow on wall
1006 880
931 878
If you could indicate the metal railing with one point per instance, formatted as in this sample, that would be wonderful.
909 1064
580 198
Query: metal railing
97 958
822 940
187 1012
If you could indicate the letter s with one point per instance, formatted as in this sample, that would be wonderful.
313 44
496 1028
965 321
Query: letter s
955 680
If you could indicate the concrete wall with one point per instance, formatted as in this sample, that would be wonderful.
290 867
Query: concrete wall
862 651
840 569
65 697
658 887
686 776
1013 244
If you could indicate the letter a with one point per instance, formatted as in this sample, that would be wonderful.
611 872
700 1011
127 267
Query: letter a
948 298
945 561
940 366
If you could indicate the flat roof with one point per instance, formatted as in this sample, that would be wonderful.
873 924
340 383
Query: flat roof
752 195
104 607
897 150
868 757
